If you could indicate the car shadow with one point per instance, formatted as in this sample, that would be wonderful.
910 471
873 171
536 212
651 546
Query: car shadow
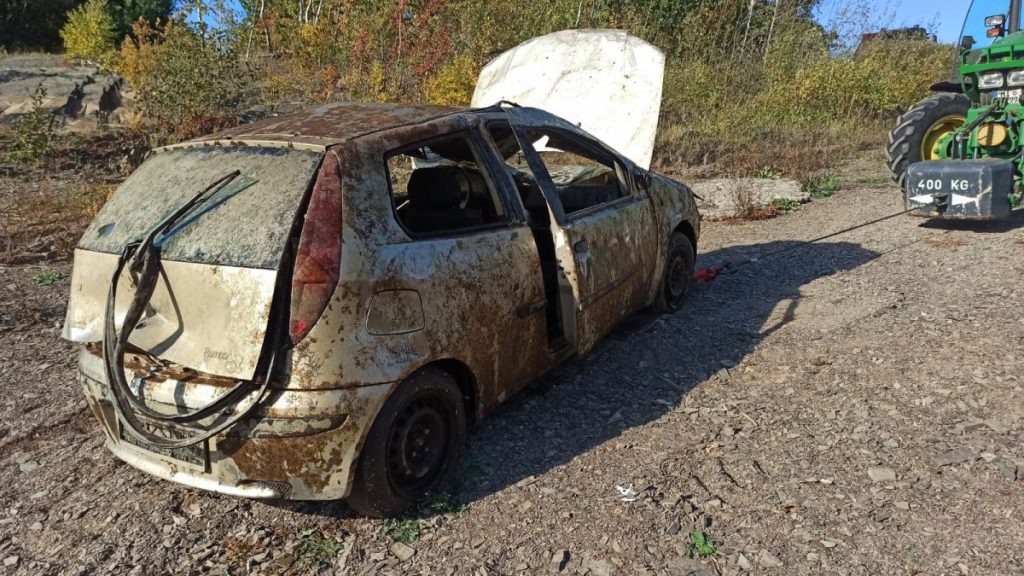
641 371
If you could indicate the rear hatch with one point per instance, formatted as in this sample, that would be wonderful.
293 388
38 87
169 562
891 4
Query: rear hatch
211 308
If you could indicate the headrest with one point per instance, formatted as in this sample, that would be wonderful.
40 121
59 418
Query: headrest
443 187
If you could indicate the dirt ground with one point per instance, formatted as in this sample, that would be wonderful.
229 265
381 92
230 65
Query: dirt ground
851 407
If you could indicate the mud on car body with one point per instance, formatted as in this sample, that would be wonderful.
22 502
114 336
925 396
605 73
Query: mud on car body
317 305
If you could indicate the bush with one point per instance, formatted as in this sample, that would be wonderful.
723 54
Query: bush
36 132
89 33
187 84
454 83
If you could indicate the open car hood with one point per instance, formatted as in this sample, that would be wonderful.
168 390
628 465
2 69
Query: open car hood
606 81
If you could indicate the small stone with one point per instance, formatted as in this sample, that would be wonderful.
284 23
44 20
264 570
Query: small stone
882 474
36 526
813 557
890 443
673 528
988 456
902 505
28 466
11 561
955 456
601 567
559 560
402 551
1006 467
767 559
998 427
743 563
968 426
829 543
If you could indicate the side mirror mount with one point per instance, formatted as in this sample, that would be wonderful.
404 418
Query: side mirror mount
967 42
642 179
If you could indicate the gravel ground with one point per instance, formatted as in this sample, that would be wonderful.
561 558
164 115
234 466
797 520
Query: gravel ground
851 407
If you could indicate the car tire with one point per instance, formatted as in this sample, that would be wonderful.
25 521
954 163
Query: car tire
412 445
920 126
678 275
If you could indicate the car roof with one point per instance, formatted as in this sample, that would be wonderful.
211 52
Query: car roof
331 124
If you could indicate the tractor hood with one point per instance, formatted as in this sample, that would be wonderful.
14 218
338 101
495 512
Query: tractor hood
605 81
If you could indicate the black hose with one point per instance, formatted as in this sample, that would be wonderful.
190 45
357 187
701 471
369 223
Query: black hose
143 260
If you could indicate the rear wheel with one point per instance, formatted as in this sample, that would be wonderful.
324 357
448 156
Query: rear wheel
919 131
679 263
412 445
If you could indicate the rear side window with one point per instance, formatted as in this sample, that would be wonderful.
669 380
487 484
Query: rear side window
246 224
442 187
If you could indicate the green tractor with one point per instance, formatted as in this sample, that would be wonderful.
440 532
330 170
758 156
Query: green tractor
960 152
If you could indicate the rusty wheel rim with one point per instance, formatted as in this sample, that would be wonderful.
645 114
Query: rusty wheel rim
419 444
678 280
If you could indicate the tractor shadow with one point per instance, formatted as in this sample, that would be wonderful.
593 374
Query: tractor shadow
1014 222
593 399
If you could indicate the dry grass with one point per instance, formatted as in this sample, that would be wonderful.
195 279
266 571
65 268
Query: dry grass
946 242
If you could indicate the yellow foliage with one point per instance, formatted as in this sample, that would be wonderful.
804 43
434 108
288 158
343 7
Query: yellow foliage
89 33
453 83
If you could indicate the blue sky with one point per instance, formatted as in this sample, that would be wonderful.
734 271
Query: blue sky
942 17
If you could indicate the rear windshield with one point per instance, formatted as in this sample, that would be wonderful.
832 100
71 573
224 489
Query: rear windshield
246 224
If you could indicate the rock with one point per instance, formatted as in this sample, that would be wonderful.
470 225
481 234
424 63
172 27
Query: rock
559 560
890 443
768 560
28 466
969 426
402 551
36 526
955 456
11 561
998 427
601 567
988 456
673 528
1006 467
743 563
882 474
722 197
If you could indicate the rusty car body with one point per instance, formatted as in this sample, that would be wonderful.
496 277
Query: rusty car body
342 257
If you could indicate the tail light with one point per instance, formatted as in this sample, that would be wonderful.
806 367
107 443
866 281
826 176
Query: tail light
318 258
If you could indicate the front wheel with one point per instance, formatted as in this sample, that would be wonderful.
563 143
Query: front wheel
412 445
918 132
679 263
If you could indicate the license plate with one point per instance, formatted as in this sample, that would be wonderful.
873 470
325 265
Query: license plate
197 454
1011 96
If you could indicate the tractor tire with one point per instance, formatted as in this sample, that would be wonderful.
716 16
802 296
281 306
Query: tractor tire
921 127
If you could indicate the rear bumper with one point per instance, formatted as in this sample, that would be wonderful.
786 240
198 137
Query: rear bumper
302 445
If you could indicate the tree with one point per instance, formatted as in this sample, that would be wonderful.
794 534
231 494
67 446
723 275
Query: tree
33 24
89 33
126 12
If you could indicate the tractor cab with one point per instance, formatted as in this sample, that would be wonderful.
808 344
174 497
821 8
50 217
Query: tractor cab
960 153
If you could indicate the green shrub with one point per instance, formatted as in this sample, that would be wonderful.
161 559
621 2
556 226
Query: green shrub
89 33
187 84
36 132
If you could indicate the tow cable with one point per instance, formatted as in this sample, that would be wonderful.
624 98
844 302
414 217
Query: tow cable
705 275
142 258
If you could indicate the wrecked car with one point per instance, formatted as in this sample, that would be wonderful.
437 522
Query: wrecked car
315 306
